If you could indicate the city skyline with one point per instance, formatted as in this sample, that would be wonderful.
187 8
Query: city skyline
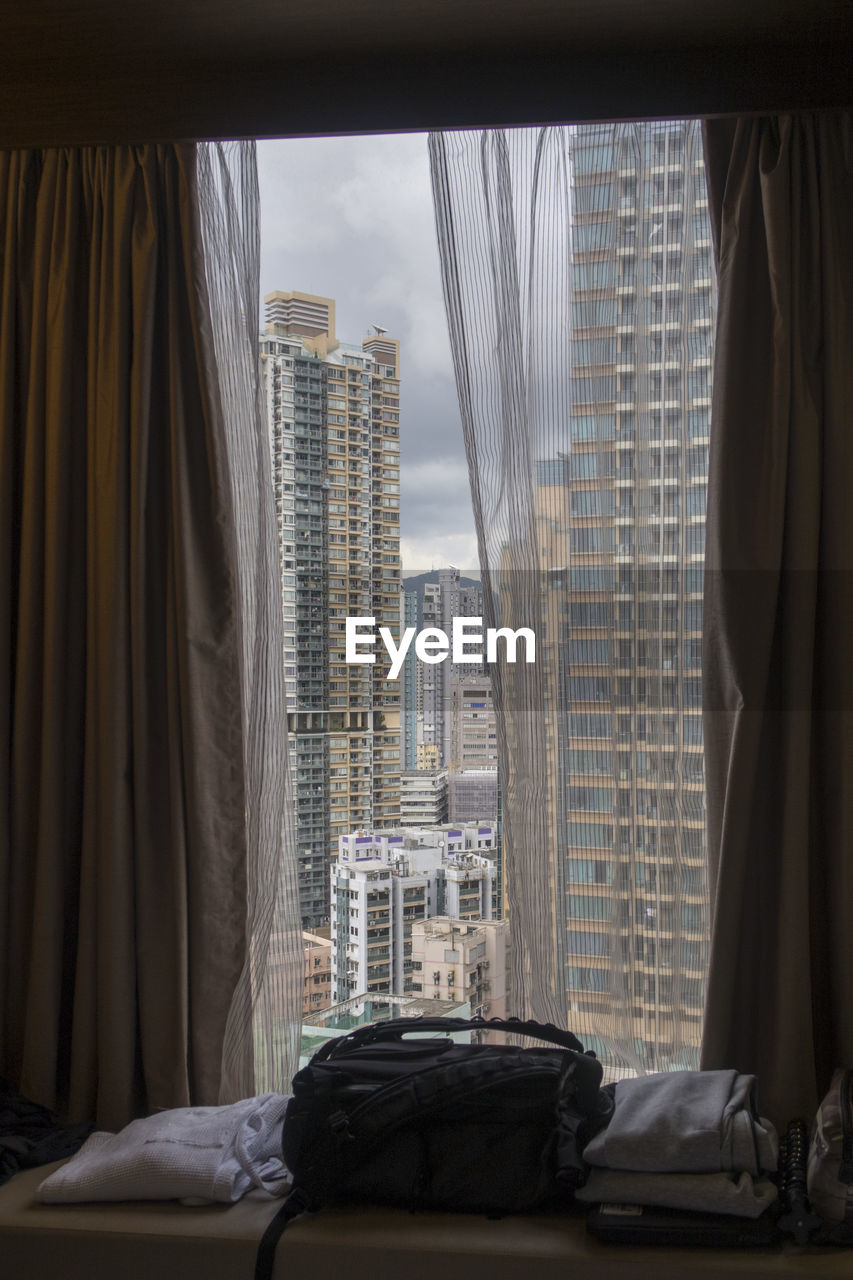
617 486
351 218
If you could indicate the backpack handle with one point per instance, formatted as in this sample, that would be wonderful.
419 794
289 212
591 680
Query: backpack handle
396 1028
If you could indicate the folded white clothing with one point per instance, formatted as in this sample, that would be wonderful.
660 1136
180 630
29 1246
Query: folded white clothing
195 1154
735 1193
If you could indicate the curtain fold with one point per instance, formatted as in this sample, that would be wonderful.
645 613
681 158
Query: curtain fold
576 266
126 793
262 1034
778 671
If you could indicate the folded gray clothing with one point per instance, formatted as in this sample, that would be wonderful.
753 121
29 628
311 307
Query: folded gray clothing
686 1122
734 1193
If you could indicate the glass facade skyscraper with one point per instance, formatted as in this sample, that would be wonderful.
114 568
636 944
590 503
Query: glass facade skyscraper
623 509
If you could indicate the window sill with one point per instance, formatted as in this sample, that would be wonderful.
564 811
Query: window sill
174 1242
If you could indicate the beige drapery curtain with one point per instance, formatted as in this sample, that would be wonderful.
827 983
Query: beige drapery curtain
778 642
125 812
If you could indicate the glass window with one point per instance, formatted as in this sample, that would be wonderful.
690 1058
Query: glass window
588 907
583 943
591 834
585 725
593 159
589 652
585 540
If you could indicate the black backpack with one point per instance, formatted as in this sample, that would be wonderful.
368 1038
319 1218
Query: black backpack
430 1124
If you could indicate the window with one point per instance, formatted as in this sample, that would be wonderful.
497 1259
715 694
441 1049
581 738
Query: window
594 159
582 907
591 426
589 236
583 943
616 498
590 871
593 314
583 979
583 466
599 799
582 725
592 275
589 652
593 350
589 688
591 834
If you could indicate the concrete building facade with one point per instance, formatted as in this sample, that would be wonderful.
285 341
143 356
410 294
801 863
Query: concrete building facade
423 797
317 987
462 959
411 685
443 601
385 881
473 728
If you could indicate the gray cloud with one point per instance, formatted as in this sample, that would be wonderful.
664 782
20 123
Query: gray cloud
351 218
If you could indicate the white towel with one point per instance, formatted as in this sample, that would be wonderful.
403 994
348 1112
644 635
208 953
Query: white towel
194 1154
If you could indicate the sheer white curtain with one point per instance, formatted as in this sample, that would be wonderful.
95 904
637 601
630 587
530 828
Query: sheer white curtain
579 291
262 1034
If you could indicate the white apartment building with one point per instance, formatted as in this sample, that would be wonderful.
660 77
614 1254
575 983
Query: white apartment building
383 882
423 797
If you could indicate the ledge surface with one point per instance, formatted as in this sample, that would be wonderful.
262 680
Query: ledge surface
169 1241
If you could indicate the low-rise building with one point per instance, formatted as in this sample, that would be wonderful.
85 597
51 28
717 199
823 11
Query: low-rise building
385 881
462 959
317 987
472 794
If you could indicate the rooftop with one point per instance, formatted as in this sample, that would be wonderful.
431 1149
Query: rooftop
358 1011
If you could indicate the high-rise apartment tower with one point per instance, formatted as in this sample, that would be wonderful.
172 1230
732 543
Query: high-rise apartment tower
334 421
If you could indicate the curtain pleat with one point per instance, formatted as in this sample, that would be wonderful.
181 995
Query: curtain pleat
264 1024
576 265
125 791
779 607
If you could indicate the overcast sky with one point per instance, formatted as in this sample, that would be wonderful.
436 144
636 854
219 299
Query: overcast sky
351 219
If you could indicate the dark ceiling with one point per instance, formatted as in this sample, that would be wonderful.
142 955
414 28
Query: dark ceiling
102 70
